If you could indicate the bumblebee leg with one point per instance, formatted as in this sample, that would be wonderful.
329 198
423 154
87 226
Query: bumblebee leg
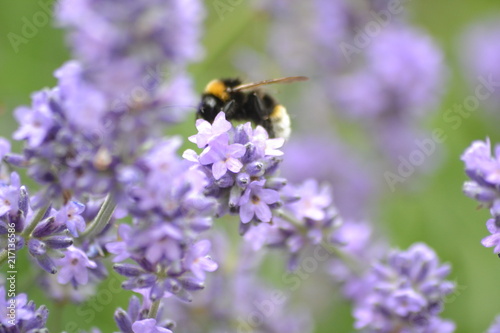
229 109
259 112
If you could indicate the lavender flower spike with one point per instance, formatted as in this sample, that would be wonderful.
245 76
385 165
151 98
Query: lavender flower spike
406 293
483 170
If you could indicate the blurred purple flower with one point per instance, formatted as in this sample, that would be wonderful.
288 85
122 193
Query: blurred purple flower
27 318
119 248
198 261
36 122
403 76
255 202
10 195
74 267
102 31
148 326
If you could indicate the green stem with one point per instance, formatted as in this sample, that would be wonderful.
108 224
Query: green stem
102 218
3 257
153 310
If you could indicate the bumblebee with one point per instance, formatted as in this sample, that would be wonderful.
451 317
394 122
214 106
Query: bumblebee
243 102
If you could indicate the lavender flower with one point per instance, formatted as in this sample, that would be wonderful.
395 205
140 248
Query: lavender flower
19 315
85 135
148 326
223 157
255 202
70 215
10 195
483 168
103 32
136 319
36 122
240 164
74 267
119 248
307 217
170 211
198 260
407 291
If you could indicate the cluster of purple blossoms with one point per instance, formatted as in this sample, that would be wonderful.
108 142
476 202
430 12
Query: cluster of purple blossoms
170 211
306 217
483 170
114 99
95 143
400 81
403 73
405 293
43 233
18 315
241 165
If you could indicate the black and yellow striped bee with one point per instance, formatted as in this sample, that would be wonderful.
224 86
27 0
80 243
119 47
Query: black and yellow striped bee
242 102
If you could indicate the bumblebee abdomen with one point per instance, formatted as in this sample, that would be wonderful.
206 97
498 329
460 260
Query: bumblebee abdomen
280 122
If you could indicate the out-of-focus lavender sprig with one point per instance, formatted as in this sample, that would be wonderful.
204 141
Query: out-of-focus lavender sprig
352 180
127 83
402 78
307 217
20 315
238 300
368 62
405 293
358 248
483 170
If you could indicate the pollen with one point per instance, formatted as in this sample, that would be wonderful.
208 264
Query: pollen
218 89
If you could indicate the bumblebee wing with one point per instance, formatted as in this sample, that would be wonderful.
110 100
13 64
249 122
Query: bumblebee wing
288 79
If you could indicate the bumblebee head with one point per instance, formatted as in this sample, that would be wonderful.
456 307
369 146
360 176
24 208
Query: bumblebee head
209 107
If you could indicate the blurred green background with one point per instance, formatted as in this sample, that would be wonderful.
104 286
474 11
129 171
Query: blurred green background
436 212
